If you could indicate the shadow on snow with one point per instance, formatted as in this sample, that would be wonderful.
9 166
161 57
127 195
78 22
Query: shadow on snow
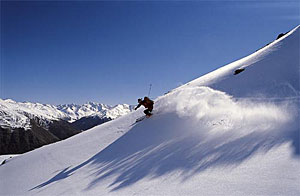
172 144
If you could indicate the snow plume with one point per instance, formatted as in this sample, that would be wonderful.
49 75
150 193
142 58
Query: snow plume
194 129
219 112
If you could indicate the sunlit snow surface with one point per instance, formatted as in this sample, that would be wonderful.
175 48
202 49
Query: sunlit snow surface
221 134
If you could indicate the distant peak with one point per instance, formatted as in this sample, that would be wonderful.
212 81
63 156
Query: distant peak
9 101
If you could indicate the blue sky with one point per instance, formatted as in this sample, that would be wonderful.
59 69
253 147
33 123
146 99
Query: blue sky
109 52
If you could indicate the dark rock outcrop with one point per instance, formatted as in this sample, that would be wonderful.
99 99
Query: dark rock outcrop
237 71
281 35
63 129
19 140
86 123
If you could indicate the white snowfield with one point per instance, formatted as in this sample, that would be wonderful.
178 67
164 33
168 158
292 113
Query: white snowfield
221 134
17 115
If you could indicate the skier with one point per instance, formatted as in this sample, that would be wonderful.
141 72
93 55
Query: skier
147 103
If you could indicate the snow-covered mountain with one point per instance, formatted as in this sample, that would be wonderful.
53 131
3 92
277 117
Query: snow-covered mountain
75 112
18 114
26 126
234 131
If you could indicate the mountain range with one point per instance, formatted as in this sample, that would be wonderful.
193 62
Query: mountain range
25 126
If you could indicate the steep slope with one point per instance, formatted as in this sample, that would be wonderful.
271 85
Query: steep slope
271 72
20 140
209 137
27 126
86 123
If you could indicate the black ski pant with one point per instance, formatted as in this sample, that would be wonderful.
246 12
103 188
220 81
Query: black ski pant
148 111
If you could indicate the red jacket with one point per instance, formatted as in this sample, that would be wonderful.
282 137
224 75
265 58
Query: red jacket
147 103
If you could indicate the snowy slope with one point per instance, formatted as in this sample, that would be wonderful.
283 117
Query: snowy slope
221 134
17 114
6 158
271 72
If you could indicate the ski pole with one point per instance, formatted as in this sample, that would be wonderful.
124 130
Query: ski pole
149 90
